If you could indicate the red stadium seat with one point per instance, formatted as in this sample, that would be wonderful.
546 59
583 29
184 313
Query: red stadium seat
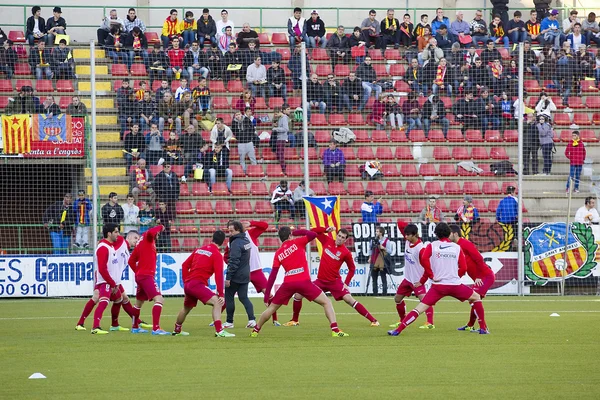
263 207
239 189
337 119
473 135
17 36
400 206
243 207
271 243
455 205
380 71
187 226
22 69
447 170
493 205
336 189
433 187
275 102
258 189
490 188
3 102
152 38
436 135
452 188
255 171
341 70
455 136
361 136
355 119
531 86
223 207
408 170
416 206
441 153
403 153
384 153
427 170
562 119
294 102
378 136
592 102
492 135
588 87
470 187
315 170
414 189
575 102
260 104
138 70
6 85
221 103
285 53
588 136
119 70
184 207
376 55
398 136
215 87
190 244
498 153
319 188
234 86
417 135
402 86
199 189
318 119
394 188
348 153
64 85
325 136
375 187
392 54
397 70
390 170
323 70
44 86
220 189
596 118
480 205
460 153
479 153
263 38
511 136
344 206
356 188
22 82
581 119
294 171
279 38
290 153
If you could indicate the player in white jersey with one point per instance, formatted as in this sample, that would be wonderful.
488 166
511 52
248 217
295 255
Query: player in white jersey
414 274
444 263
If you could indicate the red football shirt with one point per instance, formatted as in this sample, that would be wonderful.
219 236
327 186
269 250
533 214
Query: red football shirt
292 257
476 266
143 258
332 259
176 57
202 264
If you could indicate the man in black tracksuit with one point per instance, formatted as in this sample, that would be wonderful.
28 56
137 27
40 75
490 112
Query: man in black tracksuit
238 273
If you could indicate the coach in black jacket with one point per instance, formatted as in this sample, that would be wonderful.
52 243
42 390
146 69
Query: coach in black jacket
237 277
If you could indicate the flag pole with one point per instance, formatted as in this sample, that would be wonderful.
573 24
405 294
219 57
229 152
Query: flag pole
303 77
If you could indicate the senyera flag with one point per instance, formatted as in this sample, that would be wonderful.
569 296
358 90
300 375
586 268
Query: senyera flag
323 211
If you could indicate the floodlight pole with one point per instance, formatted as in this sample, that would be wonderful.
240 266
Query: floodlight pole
520 258
94 193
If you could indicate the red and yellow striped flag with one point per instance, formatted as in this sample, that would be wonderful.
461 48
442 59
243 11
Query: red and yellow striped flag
323 211
16 133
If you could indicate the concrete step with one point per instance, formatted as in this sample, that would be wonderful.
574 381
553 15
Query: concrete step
110 154
121 190
101 102
82 70
103 86
86 54
109 138
106 172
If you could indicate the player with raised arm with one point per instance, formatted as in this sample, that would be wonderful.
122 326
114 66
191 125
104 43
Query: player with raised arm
444 263
292 257
196 271
414 274
143 264
482 275
333 256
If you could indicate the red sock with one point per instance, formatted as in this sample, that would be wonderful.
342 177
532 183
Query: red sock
136 321
87 310
296 307
363 311
133 312
334 327
114 313
409 319
223 308
275 317
102 304
256 328
401 308
472 317
156 310
429 315
218 326
480 313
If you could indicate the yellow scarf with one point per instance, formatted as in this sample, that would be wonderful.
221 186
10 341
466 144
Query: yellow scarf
140 177
432 215
387 23
439 76
496 72
575 142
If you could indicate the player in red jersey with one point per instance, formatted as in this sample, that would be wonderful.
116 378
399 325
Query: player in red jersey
333 256
414 274
482 275
143 263
196 271
444 263
292 257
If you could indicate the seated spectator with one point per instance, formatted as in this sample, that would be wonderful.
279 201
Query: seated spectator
545 106
223 23
167 187
414 76
431 52
8 59
137 44
207 29
508 208
412 111
295 66
377 115
591 29
315 94
498 32
577 38
516 28
283 200
420 28
55 26
393 111
171 29
497 77
141 181
115 47
186 111
406 31
246 36
232 64
467 113
569 23
490 111
334 94
281 132
35 27
77 108
434 112
550 30
444 38
132 21
146 217
479 76
339 47
220 166
176 56
107 23
256 76
201 95
160 92
533 28
62 61
334 163
183 88
276 81
191 142
173 151
489 54
366 73
461 30
370 209
357 39
166 217
587 214
245 133
423 40
531 61
50 107
315 31
438 21
158 64
39 61
154 145
467 212
297 28
586 62
353 92
167 112
479 30
198 165
246 100
148 112
546 134
143 88
135 146
443 78
220 134
226 40
431 212
188 28
24 103
390 31
215 62
299 193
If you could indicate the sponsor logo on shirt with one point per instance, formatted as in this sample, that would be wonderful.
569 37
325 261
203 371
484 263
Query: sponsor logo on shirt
335 256
295 271
445 255
204 252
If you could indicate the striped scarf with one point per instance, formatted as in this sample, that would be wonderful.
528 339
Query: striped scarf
420 30
139 94
499 31
497 71
440 74
187 25
432 215
387 23
533 27
224 42
137 43
171 26
140 177
117 41
82 207
466 213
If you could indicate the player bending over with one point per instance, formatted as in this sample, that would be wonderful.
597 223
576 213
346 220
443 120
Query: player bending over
196 271
482 275
333 256
292 256
444 263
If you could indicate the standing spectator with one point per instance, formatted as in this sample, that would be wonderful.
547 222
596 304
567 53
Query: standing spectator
148 112
50 107
145 217
315 30
406 31
245 134
137 44
575 152
299 193
587 214
115 47
82 209
479 30
176 56
195 61
247 36
542 7
171 29
461 29
283 200
223 24
132 21
508 208
591 29
141 181
296 27
501 9
8 59
366 73
207 29
533 28
256 76
107 23
59 219
62 61
438 21
55 26
130 215
77 108
380 248
339 48
545 106
36 26
353 92
390 31
412 112
516 28
335 163
546 134
371 29
201 94
188 28
112 212
498 32
164 217
431 212
166 186
135 145
167 112
215 62
39 61
246 100
551 30
159 64
276 81
219 167
434 112
467 212
127 107
333 94
370 208
531 145
220 134
154 145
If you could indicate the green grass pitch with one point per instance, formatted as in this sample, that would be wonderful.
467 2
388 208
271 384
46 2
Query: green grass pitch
529 354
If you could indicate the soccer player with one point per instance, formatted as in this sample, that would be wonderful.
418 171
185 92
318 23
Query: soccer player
333 256
292 257
143 264
482 275
414 274
444 263
196 271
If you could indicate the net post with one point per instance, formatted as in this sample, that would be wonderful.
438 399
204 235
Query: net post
305 137
563 272
520 258
94 154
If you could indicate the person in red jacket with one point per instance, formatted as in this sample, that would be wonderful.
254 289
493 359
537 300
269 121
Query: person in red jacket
176 56
575 152
482 275
143 264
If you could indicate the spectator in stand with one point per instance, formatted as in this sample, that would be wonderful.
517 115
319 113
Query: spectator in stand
575 153
200 163
438 21
188 28
138 45
531 145
498 32
296 27
77 108
223 23
353 92
516 28
186 111
315 30
490 111
569 23
299 193
532 26
195 61
282 131
148 112
531 61
276 81
50 108
248 56
467 112
283 200
215 62
201 95
244 132
219 167
55 26
115 47
246 100
36 27
126 105
414 76
576 38
171 29
166 184
339 48
586 62
434 112
370 208
164 88
393 112
461 30
130 215
8 58
154 145
444 38
315 94
500 7
62 61
420 28
371 30
390 31
132 21
357 39
256 76
366 73
176 56
220 134
498 77
112 212
489 54
164 217
207 29
333 94
431 212
406 31
39 61
587 214
24 103
546 134
431 52
377 116
59 219
508 208
173 150
335 163
412 112
246 36
479 30
591 29
295 66
467 213
82 208
158 63
167 112
107 23
232 63
146 217
140 181
443 78
545 106
423 41
135 146
227 40
191 142
551 30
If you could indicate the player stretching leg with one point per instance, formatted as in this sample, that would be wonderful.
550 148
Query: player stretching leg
143 264
444 263
333 256
414 274
292 256
477 269
115 309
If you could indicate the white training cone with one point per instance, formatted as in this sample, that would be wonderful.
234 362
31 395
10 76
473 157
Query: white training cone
37 375
554 315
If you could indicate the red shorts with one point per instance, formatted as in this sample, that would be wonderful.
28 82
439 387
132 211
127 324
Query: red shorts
406 288
257 278
194 291
488 281
288 289
147 289
336 288
104 291
437 292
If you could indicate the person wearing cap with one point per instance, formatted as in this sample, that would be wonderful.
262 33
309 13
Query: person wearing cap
315 30
55 26
59 219
508 208
551 30
296 26
569 23
467 212
371 29
390 31
82 208
439 20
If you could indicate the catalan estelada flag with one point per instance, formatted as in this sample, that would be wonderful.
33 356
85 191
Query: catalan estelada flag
323 211
16 133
